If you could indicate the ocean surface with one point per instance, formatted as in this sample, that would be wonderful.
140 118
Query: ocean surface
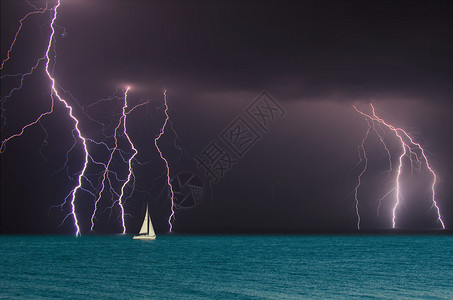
227 267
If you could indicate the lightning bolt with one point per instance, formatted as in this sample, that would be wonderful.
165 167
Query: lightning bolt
55 95
130 174
407 146
170 187
120 130
107 166
362 160
76 122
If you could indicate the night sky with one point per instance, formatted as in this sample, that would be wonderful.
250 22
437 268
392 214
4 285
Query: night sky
314 59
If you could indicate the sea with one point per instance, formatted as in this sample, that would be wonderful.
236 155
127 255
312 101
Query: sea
227 267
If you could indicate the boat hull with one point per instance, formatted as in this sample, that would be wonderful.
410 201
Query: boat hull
144 237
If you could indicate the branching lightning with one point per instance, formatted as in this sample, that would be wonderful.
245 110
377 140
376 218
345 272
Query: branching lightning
409 148
54 94
107 168
120 197
21 23
120 129
130 175
76 126
170 187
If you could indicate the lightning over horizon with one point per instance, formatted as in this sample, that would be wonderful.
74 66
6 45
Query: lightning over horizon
409 149
107 166
168 179
129 162
54 93
362 160
56 97
108 108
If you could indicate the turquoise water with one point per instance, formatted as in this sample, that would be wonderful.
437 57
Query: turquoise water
227 267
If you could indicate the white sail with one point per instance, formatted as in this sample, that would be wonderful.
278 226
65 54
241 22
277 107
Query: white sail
144 229
147 229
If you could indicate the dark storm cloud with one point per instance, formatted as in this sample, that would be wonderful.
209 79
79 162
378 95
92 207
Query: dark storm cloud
302 50
345 47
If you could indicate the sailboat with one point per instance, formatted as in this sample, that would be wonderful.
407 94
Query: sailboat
147 230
